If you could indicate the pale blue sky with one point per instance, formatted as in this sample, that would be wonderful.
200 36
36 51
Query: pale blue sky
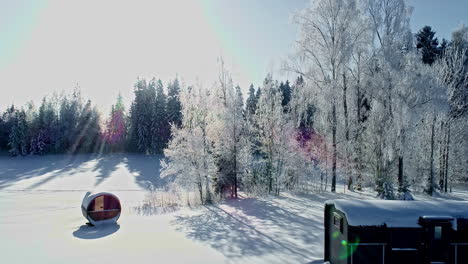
52 45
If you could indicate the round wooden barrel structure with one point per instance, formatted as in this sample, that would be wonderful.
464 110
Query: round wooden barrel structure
100 208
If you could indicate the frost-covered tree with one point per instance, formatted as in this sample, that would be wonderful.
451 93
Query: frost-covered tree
116 127
88 136
328 32
174 107
189 153
141 116
18 138
389 24
160 129
285 89
451 71
251 103
69 113
148 121
229 135
8 118
274 134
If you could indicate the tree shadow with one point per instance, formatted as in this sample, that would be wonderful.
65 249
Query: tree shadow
147 169
144 168
255 227
106 165
95 232
14 169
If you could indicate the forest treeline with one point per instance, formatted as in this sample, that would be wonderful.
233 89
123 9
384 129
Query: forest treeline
69 124
374 105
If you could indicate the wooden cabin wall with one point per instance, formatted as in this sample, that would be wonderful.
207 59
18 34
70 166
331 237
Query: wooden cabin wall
335 245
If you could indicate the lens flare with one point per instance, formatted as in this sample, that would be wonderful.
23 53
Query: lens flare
348 249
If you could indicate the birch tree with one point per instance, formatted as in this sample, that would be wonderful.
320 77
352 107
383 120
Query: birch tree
189 153
324 46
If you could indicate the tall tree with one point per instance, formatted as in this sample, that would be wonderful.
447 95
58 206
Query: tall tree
251 104
8 119
285 89
328 32
116 127
174 107
18 140
428 44
230 145
189 153
87 137
141 116
160 127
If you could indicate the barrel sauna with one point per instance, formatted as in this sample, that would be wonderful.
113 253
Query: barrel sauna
101 208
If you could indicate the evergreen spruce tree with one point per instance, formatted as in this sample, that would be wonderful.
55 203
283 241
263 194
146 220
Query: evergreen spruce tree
116 127
48 125
160 128
18 136
68 131
251 104
174 106
427 44
141 116
8 118
285 89
89 130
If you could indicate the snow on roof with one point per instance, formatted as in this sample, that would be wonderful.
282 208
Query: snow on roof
397 213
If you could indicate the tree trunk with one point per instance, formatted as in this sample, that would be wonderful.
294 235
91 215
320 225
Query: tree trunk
207 190
447 158
430 189
345 110
200 190
326 166
235 170
358 160
333 184
442 149
401 184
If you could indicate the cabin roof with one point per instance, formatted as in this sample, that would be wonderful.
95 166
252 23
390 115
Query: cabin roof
397 213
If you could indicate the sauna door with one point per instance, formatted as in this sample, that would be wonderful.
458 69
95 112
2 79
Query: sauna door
99 203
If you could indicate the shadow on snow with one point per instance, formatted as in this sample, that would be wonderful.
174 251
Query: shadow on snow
95 232
244 228
144 168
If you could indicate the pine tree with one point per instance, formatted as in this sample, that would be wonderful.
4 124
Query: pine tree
18 136
141 116
8 118
88 126
174 107
251 104
48 125
285 89
160 128
68 131
273 134
230 145
427 44
116 126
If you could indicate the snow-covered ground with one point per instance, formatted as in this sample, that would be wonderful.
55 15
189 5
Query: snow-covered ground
41 221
